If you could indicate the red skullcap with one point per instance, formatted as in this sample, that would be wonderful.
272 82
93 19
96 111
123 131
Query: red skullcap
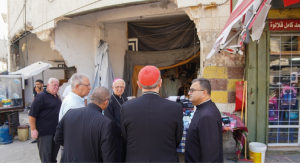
148 75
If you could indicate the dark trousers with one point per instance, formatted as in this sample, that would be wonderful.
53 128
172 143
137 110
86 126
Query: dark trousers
47 149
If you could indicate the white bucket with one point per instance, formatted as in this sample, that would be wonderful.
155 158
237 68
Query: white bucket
257 152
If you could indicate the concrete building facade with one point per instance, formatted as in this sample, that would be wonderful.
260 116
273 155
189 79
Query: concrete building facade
48 30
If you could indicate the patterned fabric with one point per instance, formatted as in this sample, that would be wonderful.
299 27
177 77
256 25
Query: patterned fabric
181 147
239 134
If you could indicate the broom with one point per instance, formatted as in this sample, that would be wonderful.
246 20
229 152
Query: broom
246 116
238 159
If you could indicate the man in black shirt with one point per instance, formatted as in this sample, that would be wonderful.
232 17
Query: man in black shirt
43 119
37 89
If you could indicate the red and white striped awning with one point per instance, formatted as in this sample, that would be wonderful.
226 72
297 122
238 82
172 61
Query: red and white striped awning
247 14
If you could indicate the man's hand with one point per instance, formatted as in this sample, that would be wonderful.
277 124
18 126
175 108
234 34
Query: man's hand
34 134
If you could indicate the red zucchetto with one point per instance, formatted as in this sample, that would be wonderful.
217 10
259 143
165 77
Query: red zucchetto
148 75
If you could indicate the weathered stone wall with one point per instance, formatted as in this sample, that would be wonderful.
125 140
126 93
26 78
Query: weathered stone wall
222 69
43 15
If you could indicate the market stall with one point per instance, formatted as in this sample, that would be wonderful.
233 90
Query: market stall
12 98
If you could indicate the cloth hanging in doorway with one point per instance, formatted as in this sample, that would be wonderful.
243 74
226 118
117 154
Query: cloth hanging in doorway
134 61
161 36
103 74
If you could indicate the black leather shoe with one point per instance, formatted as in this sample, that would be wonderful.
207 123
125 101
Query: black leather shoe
34 141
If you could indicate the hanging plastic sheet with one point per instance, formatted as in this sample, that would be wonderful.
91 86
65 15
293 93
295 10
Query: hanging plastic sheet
103 74
134 60
161 36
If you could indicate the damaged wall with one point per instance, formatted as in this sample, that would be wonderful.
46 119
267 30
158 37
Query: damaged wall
39 51
75 42
116 37
222 69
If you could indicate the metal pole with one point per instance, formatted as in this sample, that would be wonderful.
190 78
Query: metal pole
43 76
26 35
32 83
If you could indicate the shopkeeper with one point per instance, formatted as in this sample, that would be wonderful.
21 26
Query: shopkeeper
204 140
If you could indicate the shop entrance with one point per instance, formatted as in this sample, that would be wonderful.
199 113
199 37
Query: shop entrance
169 43
284 91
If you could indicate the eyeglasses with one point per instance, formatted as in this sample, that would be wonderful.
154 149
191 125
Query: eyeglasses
86 85
119 87
192 90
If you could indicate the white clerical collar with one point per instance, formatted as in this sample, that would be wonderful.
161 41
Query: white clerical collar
150 92
203 102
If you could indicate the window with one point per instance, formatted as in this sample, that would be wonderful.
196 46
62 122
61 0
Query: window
283 128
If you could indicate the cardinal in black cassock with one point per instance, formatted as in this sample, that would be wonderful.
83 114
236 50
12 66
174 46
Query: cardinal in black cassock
151 126
204 140
113 112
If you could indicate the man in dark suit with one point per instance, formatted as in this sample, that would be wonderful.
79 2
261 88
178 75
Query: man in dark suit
204 140
151 126
86 134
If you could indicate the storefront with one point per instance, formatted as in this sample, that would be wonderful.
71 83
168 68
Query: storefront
283 121
272 71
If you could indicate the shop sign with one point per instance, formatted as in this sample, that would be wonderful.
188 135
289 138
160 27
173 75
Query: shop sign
279 25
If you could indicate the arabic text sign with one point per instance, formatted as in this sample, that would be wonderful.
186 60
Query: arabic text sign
275 25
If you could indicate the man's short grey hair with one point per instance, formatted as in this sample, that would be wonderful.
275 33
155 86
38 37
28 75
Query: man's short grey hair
152 86
118 80
77 78
204 84
100 94
52 79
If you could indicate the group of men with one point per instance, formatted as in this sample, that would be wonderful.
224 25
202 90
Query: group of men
145 129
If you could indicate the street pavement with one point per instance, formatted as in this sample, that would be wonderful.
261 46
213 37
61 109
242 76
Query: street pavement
26 152
20 152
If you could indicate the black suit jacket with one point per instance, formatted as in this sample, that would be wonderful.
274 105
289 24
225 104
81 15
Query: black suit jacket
204 140
87 136
152 128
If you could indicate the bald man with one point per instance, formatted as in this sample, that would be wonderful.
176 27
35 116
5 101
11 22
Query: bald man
113 113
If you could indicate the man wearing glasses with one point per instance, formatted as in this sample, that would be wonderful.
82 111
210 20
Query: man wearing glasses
113 113
204 140
86 134
81 87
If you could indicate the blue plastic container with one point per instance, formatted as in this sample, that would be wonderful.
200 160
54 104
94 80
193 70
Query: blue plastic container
5 137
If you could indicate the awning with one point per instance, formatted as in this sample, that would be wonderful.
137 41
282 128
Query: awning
290 2
247 14
32 70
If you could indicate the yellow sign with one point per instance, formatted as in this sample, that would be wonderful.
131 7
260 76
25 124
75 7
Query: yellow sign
293 13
